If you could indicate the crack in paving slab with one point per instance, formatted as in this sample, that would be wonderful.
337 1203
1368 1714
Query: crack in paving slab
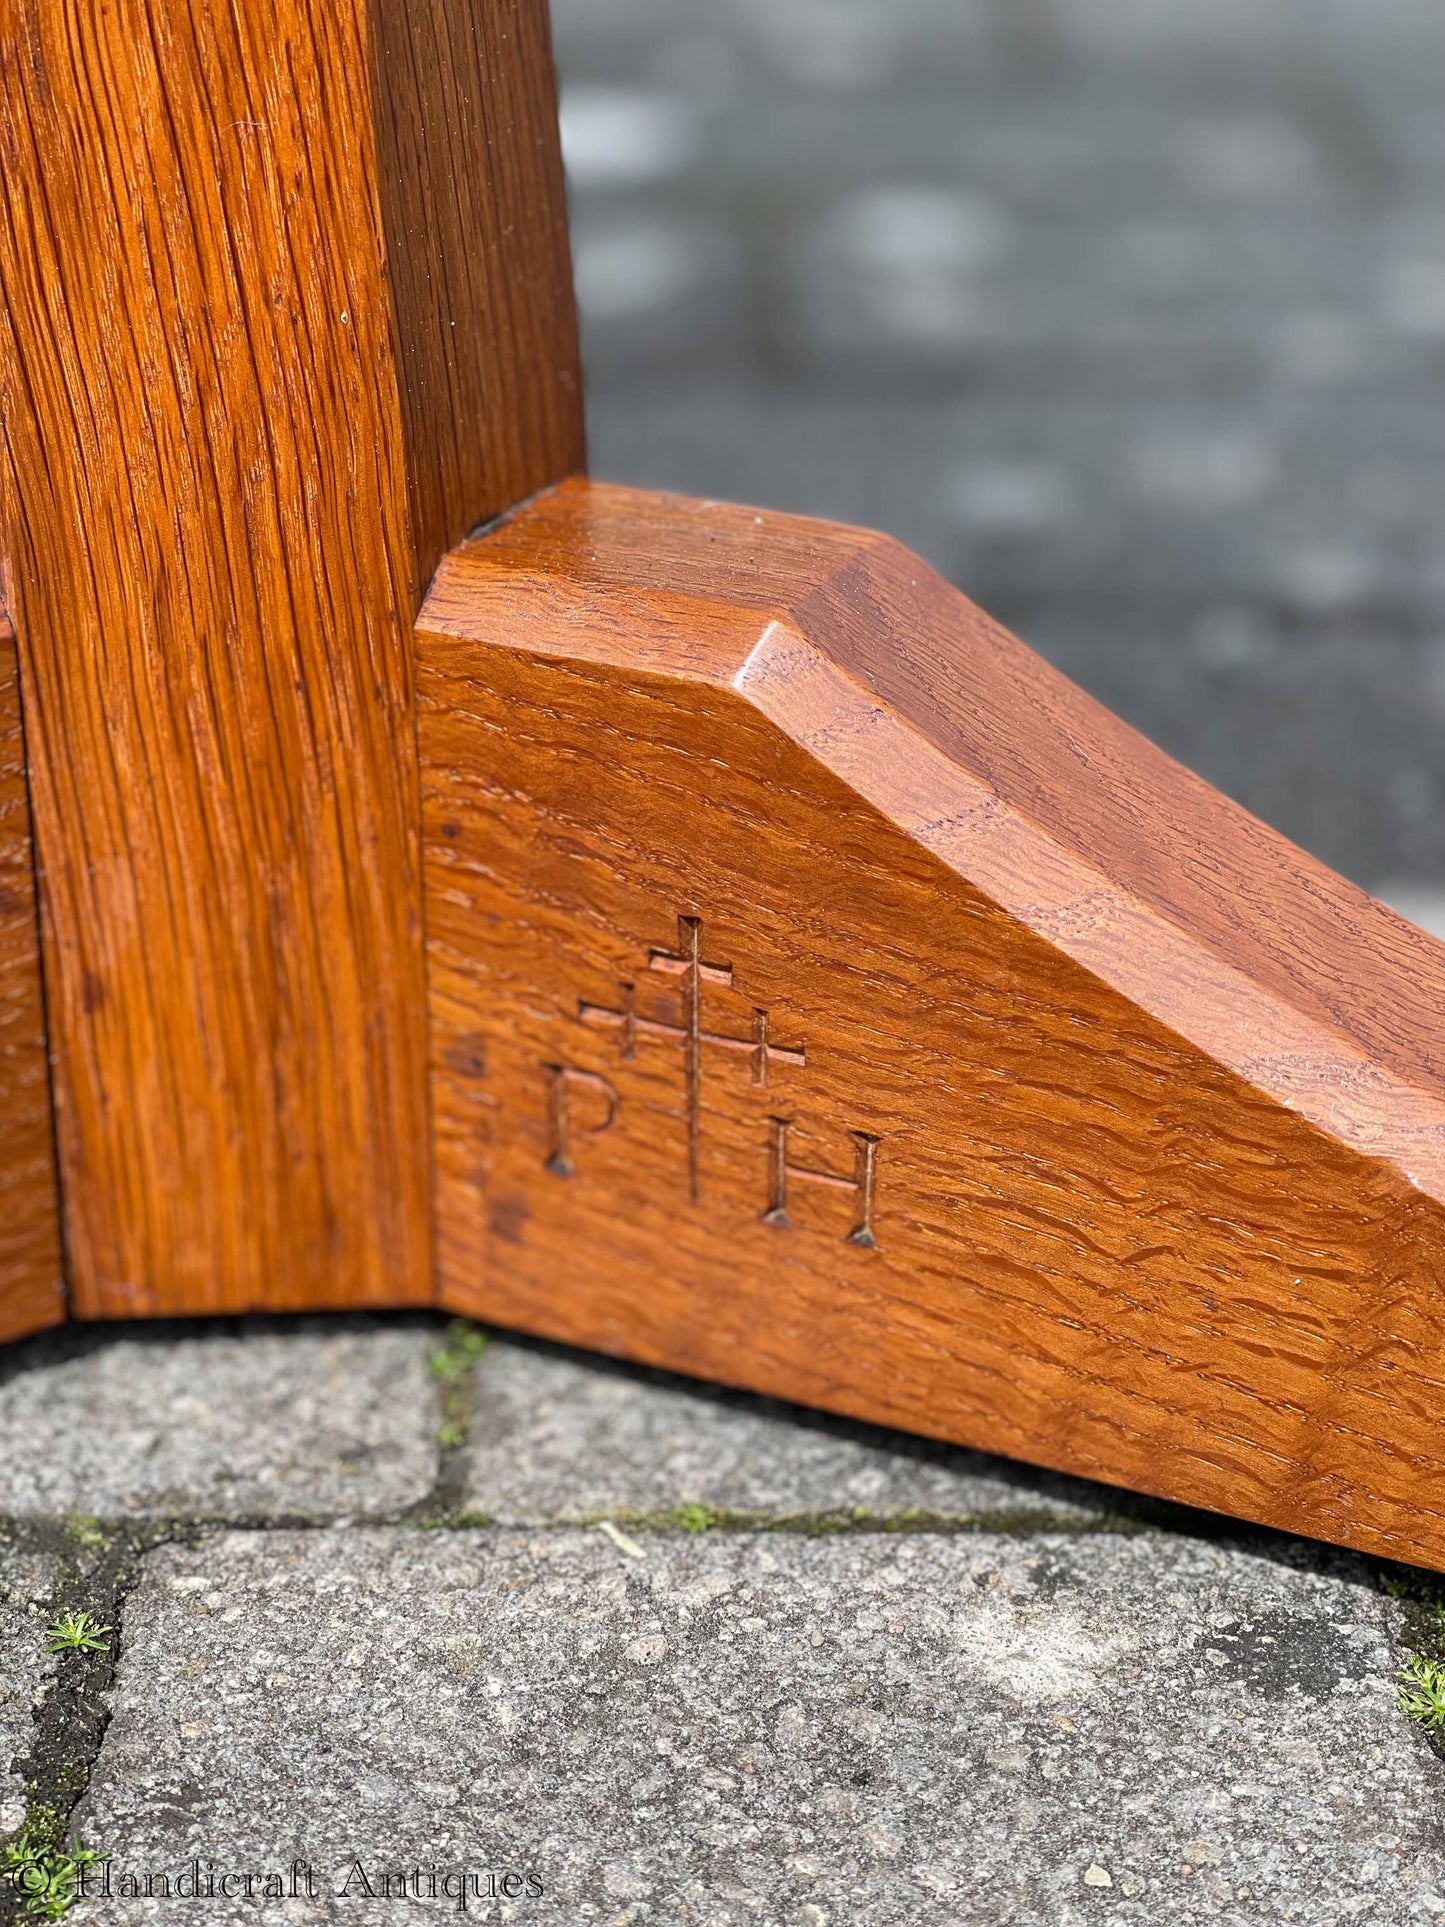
71 1711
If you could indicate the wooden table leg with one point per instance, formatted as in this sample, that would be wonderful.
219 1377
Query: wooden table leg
285 309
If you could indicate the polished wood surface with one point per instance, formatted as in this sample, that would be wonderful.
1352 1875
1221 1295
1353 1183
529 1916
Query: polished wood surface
284 312
830 999
31 1292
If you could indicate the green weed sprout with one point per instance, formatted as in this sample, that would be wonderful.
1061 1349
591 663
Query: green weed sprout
77 1633
46 1878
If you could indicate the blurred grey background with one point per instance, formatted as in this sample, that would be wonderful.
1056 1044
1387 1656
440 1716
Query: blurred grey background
1128 314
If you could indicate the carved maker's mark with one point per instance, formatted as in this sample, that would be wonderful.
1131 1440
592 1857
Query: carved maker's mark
562 1079
584 1104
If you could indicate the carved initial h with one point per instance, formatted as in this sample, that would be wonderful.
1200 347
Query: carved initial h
862 1184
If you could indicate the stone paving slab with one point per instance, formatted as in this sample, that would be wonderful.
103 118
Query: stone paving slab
866 1729
561 1437
26 1580
302 1417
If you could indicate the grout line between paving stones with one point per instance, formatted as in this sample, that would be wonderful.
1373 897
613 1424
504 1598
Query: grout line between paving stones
34 1533
102 1563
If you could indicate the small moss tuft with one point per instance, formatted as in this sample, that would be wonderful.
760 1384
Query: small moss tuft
85 1532
1421 1686
694 1518
459 1350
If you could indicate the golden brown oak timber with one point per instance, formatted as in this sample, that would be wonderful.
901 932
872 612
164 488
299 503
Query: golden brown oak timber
831 999
285 310
31 1291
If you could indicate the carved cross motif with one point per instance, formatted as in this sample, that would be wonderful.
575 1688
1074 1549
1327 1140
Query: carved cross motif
633 1026
687 963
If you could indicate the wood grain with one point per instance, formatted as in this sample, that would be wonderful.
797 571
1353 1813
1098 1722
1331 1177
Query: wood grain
31 1291
1140 1109
479 269
285 313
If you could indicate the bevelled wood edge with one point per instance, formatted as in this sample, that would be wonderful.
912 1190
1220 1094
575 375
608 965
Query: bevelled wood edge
1252 950
32 1293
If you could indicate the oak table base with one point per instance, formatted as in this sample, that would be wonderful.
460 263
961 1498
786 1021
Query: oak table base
828 998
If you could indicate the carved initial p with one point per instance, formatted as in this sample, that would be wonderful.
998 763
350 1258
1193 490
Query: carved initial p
562 1080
